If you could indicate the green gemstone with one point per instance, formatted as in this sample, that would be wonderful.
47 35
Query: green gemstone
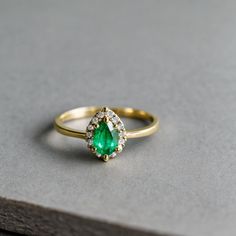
105 138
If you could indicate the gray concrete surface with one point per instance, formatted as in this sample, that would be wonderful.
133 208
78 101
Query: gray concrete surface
176 59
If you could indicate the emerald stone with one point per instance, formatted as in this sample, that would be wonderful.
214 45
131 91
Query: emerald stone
105 138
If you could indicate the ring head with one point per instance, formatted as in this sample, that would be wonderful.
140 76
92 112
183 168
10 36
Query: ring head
105 134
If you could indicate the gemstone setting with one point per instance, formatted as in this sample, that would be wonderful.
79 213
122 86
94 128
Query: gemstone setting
106 138
106 135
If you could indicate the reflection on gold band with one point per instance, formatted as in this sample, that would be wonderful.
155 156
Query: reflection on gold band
84 112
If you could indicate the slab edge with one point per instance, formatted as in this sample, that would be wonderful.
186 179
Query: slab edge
26 218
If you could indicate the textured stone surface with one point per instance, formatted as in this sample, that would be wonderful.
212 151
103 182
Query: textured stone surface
7 233
173 58
30 219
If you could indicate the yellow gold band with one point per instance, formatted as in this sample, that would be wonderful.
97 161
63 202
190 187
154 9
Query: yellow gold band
84 112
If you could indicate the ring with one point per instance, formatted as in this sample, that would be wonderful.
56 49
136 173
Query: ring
105 134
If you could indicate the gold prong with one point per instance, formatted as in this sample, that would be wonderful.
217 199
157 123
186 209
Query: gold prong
105 119
95 126
119 149
92 149
105 109
105 158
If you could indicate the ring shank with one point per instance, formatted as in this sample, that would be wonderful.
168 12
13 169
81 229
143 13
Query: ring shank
84 112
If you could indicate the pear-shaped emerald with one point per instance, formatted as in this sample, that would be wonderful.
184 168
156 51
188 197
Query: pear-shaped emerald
105 138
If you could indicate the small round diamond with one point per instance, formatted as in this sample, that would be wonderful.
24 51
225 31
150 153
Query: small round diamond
90 127
120 126
113 155
98 154
115 119
100 114
122 133
89 134
110 113
95 120
122 141
90 142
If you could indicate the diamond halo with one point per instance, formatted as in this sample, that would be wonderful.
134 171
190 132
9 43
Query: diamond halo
105 134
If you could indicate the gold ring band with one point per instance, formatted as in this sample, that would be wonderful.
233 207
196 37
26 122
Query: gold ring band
111 117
